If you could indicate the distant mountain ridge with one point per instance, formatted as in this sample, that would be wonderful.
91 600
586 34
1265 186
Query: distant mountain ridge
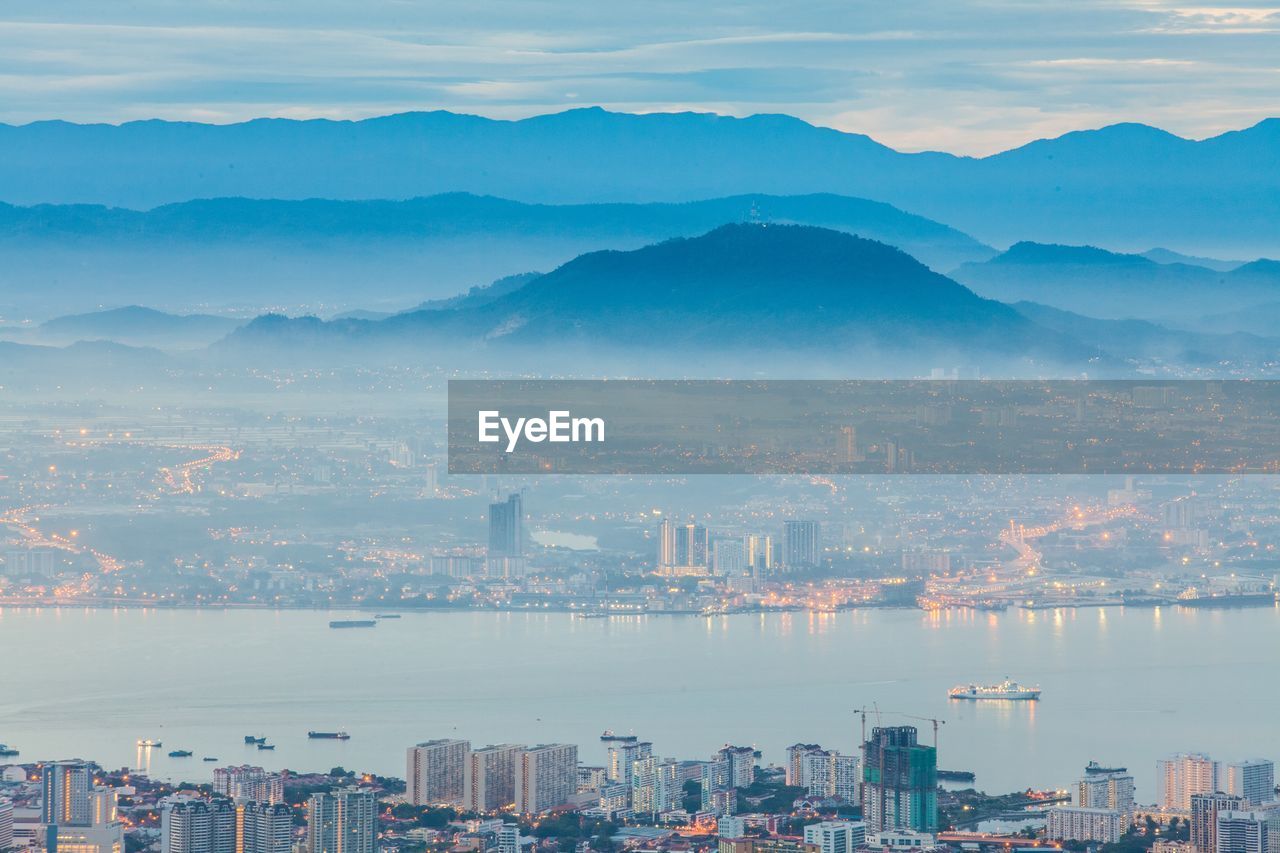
131 325
744 290
1108 285
324 256
1126 186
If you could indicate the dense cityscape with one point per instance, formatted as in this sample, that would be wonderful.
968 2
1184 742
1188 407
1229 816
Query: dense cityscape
440 426
241 509
508 798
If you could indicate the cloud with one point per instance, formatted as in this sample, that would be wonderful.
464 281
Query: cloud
972 77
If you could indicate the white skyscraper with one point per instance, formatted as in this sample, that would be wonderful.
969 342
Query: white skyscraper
491 778
836 836
1106 791
248 783
796 765
1242 832
742 764
197 825
264 827
1255 780
623 754
67 785
1181 776
436 772
1072 823
655 786
345 821
6 824
546 777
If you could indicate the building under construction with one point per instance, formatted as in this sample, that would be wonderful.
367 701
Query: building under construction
899 781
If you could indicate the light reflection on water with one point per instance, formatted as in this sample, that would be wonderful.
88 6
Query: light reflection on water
1121 685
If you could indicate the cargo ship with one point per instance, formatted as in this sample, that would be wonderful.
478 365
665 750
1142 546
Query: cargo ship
328 735
353 623
1093 768
251 739
1005 690
1254 598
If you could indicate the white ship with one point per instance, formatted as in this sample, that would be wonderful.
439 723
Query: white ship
1007 689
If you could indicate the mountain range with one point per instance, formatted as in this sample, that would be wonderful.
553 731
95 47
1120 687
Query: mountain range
746 291
1109 285
326 256
1126 186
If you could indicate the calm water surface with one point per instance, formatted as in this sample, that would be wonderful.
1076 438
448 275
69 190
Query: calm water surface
1123 686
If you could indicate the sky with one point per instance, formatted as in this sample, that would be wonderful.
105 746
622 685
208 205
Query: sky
954 75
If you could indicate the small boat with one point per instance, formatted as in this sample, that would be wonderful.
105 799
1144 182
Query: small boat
266 746
148 743
180 753
1006 690
7 751
250 739
353 623
328 735
209 758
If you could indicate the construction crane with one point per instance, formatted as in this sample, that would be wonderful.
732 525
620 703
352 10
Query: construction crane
863 712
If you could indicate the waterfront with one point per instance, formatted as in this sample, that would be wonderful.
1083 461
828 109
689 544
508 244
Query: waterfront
1122 685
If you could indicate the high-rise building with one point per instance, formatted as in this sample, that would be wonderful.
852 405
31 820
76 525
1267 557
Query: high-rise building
67 785
759 554
615 800
264 827
829 774
717 779
506 537
801 543
1255 780
899 781
682 548
1106 791
1204 818
6 823
1242 832
742 764
509 838
546 777
848 778
591 778
1180 777
196 825
491 777
344 821
796 754
624 752
436 772
248 783
655 786
731 827
836 836
1075 823
728 557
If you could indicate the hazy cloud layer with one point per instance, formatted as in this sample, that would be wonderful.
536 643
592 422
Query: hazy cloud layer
970 77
